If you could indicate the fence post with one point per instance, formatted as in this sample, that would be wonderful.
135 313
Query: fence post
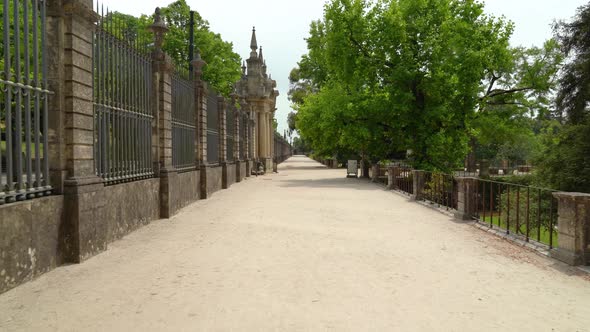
70 30
200 102
573 227
163 121
222 111
392 173
465 200
418 184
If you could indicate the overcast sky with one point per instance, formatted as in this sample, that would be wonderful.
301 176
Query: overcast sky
282 25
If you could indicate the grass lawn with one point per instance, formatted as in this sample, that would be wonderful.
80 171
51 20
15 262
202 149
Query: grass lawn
533 230
24 147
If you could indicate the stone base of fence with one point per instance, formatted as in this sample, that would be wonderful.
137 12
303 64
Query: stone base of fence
573 228
249 165
418 183
267 164
167 179
228 174
211 180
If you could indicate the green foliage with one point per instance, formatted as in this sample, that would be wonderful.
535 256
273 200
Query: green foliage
223 64
389 76
540 212
565 161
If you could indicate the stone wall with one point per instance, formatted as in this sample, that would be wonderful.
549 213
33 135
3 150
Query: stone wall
229 175
214 179
185 189
243 171
130 206
30 240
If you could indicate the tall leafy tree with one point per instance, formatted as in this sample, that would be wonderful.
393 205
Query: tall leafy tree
399 75
223 64
566 160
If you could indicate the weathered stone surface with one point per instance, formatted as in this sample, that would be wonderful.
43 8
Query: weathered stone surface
214 179
130 206
184 190
29 239
228 175
574 228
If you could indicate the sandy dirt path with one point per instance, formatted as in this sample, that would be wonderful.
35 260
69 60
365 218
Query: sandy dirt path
305 250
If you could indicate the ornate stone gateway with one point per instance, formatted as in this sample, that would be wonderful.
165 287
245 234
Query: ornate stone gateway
258 89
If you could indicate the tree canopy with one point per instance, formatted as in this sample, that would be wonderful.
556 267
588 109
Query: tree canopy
399 75
223 64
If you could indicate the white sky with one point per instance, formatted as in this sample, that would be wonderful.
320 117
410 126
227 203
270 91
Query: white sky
282 25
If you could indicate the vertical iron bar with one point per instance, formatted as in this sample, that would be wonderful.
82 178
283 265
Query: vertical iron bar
500 205
539 216
483 201
551 222
46 98
517 210
8 100
18 116
528 201
37 118
491 204
508 209
28 91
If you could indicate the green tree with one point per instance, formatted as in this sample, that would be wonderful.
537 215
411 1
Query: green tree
223 64
399 75
565 164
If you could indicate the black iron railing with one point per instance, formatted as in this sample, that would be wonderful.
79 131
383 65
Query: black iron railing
183 122
525 211
122 80
440 189
24 166
404 179
212 128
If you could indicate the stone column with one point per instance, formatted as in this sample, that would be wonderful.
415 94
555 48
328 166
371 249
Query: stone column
71 117
466 188
200 107
418 183
573 228
162 67
392 174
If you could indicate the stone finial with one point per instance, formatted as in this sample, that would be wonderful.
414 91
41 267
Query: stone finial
253 43
243 67
198 64
159 28
260 55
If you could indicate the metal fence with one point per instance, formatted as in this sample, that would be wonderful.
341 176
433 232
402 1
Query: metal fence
183 122
524 211
230 125
440 189
122 74
212 128
403 179
24 167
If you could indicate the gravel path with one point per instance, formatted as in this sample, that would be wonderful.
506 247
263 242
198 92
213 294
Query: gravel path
305 250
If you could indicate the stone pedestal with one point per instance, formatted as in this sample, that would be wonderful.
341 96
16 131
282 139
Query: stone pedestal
375 173
392 173
418 183
465 203
573 228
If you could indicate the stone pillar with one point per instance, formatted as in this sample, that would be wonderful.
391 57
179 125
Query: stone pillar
466 188
573 228
418 183
71 117
162 68
200 106
392 174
